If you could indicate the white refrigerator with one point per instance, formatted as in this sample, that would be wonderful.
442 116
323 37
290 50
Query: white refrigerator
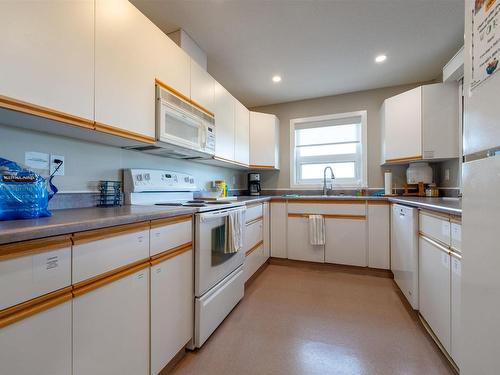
480 312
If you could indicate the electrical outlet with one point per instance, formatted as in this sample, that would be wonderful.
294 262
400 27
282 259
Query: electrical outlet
53 165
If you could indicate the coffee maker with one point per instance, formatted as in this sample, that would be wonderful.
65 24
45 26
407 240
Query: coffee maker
254 183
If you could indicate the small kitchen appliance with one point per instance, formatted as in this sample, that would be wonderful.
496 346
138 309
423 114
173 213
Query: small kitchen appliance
254 183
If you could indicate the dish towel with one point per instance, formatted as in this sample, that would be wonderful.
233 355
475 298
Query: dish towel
234 232
316 230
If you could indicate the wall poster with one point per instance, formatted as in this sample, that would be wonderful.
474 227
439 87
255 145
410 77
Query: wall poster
485 41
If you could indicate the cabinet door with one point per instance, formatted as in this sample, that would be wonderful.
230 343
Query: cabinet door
440 120
379 235
111 328
48 54
345 242
403 125
267 230
174 65
224 123
434 289
171 308
278 229
242 134
456 301
39 344
125 68
202 87
263 140
299 247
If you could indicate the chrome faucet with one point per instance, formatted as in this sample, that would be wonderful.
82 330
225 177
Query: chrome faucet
325 190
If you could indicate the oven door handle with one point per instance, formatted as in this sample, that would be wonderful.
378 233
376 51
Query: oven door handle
218 214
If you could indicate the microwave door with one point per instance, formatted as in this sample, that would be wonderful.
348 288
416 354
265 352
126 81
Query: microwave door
180 128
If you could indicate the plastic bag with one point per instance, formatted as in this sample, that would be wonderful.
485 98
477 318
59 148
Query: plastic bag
23 193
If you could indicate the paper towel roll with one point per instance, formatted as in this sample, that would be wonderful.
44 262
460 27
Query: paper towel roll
388 183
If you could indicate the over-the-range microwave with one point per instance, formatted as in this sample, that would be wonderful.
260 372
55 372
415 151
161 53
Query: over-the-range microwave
182 124
183 131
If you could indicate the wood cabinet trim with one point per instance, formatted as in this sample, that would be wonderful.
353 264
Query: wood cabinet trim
231 162
408 158
158 258
30 247
36 110
437 215
170 220
278 200
327 201
113 130
443 247
378 202
99 234
109 278
183 97
456 219
33 309
254 247
104 275
329 216
35 301
256 166
253 221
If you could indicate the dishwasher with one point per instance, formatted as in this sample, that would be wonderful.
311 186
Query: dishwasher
404 251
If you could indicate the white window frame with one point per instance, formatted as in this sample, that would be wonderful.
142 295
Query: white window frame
337 184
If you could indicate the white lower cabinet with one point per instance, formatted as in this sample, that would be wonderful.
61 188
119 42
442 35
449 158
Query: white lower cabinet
345 241
299 247
267 229
435 289
456 300
278 221
39 344
111 327
379 222
171 308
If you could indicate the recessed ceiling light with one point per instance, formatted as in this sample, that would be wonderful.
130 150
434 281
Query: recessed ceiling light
276 79
380 58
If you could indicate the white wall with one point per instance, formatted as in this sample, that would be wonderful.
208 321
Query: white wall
370 101
86 163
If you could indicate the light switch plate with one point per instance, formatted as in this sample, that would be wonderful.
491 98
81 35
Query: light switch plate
53 165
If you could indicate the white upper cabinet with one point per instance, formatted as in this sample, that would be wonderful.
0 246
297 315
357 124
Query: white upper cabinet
421 123
403 129
202 87
125 69
264 141
48 55
174 68
242 134
224 123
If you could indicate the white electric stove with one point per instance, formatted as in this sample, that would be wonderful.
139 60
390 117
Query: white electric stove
148 187
219 283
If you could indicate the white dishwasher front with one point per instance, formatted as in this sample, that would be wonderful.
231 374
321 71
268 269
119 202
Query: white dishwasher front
404 251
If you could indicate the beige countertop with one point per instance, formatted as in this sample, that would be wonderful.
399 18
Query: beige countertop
82 219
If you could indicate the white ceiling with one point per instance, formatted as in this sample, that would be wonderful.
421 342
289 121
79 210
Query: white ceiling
320 48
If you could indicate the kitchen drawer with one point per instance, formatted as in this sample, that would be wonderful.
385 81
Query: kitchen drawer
103 250
253 234
31 275
253 212
253 261
456 236
166 235
331 208
435 227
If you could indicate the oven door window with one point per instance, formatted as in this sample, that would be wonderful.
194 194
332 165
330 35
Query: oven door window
219 238
178 126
